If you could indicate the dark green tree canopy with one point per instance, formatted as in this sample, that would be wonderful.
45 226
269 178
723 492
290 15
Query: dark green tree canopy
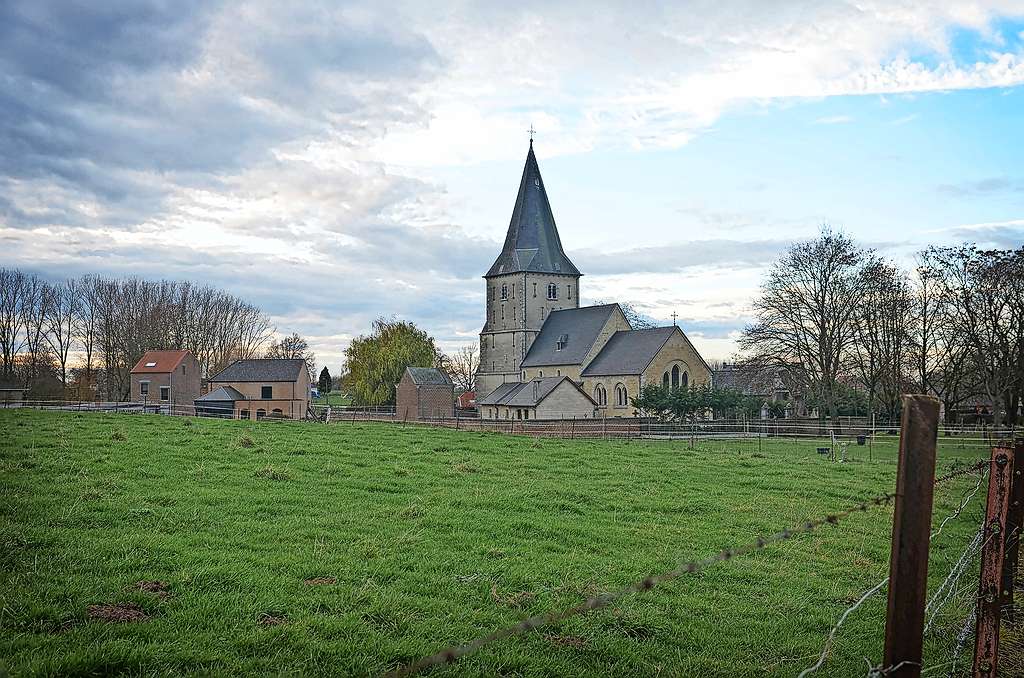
376 362
324 382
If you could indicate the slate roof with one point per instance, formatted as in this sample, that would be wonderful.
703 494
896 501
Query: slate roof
262 369
628 352
428 375
532 243
579 326
221 395
526 394
166 362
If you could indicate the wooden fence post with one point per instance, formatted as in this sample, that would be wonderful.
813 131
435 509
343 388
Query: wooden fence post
1014 529
912 517
986 646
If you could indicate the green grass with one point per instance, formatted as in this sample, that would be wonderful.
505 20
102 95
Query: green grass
427 537
336 398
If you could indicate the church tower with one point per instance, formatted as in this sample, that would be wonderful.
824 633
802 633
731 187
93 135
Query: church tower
530 278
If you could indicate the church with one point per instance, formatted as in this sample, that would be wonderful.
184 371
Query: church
544 356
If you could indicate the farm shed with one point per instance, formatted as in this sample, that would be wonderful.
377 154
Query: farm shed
424 392
269 387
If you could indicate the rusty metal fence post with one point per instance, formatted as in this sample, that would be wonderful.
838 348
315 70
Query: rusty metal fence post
912 517
986 646
1014 529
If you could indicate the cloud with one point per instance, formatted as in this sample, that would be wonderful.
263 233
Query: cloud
675 257
1000 234
982 187
289 152
833 120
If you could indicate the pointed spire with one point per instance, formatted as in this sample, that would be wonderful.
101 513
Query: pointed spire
532 243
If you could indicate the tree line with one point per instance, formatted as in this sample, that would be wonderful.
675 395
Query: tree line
833 317
80 337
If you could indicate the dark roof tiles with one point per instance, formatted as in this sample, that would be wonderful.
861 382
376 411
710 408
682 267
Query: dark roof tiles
532 243
263 369
428 376
628 352
580 326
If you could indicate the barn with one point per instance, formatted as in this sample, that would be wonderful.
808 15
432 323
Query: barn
424 393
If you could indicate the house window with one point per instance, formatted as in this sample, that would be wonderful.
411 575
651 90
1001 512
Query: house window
243 414
183 369
526 414
165 393
504 292
562 341
540 373
568 289
558 373
502 312
261 413
519 414
277 413
552 291
535 290
144 388
266 392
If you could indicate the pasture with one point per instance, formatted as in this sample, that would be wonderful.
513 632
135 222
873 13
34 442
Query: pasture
135 544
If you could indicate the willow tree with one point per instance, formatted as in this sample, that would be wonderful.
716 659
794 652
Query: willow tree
376 362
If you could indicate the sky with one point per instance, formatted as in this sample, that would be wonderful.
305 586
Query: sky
335 162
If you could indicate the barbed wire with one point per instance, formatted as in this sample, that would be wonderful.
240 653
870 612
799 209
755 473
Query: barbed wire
454 652
965 499
979 466
938 600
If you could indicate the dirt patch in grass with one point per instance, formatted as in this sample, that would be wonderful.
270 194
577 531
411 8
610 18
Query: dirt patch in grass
273 473
517 599
118 612
246 441
577 642
465 467
158 588
320 581
270 619
119 436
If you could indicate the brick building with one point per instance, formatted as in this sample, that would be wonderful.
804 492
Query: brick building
170 377
424 392
258 388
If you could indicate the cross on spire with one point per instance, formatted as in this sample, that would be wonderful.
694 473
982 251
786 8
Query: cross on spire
673 318
531 132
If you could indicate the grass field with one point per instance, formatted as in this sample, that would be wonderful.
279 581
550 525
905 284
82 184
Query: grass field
297 548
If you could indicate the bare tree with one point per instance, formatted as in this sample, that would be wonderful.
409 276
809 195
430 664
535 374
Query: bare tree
462 366
880 355
295 347
984 289
61 311
12 288
804 315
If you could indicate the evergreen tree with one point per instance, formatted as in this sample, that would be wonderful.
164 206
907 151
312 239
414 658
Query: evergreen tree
324 382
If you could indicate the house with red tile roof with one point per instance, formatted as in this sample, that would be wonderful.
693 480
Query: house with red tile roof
170 377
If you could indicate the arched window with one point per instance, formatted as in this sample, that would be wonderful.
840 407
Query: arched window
277 413
686 379
552 291
675 376
601 395
260 413
621 399
664 380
